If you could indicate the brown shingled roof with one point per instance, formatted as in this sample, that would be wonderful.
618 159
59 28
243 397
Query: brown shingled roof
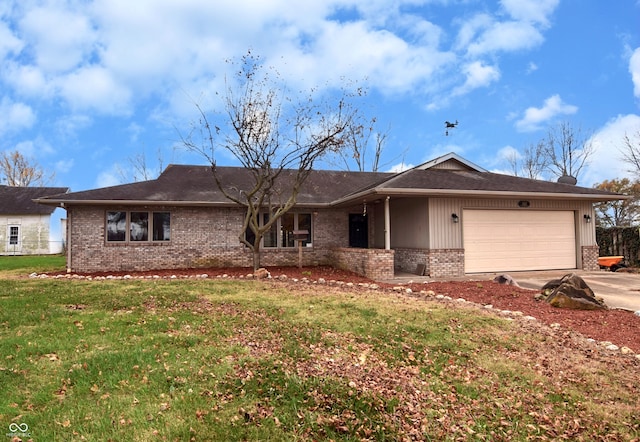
488 181
19 200
195 185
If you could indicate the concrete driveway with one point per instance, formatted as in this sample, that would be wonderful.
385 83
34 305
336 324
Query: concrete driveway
619 290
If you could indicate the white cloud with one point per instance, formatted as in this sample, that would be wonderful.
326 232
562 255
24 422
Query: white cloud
134 130
64 166
60 39
532 11
108 56
15 116
26 80
506 37
35 148
634 69
606 162
9 43
70 125
477 75
94 87
109 177
535 117
400 167
507 153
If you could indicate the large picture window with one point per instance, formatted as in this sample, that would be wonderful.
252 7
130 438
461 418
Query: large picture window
135 226
282 231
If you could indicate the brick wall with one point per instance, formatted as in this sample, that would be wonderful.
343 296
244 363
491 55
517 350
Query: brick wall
376 264
446 263
407 260
439 263
590 258
200 237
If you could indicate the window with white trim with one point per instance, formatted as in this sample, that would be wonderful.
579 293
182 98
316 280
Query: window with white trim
135 226
14 236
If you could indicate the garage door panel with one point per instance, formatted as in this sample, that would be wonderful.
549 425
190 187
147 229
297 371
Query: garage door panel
507 240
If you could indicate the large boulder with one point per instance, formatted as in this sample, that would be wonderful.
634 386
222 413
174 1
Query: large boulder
572 292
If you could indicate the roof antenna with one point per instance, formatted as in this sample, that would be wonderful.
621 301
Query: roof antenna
448 125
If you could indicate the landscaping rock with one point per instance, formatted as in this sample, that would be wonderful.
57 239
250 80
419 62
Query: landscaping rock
506 280
261 273
571 292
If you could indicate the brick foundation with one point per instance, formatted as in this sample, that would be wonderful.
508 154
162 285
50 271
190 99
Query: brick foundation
590 258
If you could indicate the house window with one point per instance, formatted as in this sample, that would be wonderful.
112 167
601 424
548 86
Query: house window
161 226
292 222
281 232
14 235
135 226
116 226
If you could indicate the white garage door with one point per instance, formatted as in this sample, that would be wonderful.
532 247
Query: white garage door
509 240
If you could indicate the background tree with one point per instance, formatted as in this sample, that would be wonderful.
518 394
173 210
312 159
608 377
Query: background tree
567 150
631 152
621 212
139 168
532 163
276 136
17 170
363 148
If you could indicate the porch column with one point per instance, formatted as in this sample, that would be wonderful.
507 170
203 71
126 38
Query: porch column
387 225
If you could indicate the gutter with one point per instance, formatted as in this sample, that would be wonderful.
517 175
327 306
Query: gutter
111 203
354 198
376 192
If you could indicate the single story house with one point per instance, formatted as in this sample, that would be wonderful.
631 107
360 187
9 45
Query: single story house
25 225
445 218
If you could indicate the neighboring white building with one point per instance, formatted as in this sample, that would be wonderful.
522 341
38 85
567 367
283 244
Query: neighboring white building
25 226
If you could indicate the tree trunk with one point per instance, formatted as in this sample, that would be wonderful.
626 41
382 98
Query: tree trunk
256 257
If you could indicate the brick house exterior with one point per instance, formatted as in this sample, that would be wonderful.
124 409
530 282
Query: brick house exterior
371 223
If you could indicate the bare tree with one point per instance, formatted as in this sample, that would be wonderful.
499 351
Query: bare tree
17 170
619 212
532 163
567 150
631 152
140 169
275 136
364 146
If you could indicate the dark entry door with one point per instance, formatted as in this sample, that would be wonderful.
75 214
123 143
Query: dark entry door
358 231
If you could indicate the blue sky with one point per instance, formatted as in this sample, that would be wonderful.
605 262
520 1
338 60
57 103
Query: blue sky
87 84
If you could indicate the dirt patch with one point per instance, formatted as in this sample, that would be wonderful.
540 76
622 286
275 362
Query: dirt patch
616 326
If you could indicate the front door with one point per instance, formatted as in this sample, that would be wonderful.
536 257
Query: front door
358 231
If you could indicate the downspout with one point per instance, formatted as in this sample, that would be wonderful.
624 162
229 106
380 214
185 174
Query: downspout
67 238
387 224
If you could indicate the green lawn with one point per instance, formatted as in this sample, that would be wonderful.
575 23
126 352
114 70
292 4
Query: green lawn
27 264
131 360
